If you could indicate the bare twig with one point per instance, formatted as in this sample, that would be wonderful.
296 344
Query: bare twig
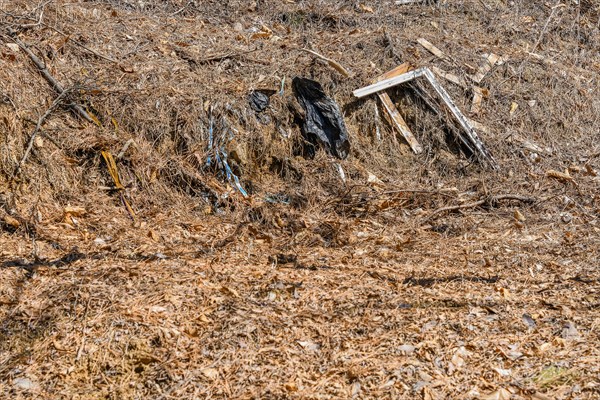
80 44
332 63
543 32
38 126
490 201
55 84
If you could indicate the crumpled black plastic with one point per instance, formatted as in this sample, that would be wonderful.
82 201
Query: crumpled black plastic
323 122
259 99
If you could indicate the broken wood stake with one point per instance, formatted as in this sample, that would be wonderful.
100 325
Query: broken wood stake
393 113
471 140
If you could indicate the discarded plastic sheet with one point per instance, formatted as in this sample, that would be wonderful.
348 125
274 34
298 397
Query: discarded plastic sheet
259 99
323 124
220 154
470 140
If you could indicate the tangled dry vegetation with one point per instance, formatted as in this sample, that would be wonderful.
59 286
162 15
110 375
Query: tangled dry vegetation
132 269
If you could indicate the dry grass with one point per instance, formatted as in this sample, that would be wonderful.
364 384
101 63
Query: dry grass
312 287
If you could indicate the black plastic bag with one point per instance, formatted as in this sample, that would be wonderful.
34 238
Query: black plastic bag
323 122
259 99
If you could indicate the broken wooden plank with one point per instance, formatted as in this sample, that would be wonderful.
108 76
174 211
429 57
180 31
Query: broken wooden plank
431 48
477 99
398 122
388 83
457 80
490 62
480 127
471 140
462 120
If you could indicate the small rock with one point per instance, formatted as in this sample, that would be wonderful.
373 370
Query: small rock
25 384
407 349
529 321
570 332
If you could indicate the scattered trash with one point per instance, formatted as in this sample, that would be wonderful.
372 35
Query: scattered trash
259 99
470 139
570 332
217 155
341 172
323 121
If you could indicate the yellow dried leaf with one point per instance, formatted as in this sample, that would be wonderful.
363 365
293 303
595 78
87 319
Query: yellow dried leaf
94 118
210 373
229 291
560 176
75 211
366 8
10 221
519 216
112 169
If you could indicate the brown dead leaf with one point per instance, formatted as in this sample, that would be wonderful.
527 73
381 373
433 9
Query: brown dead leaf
563 177
10 221
500 394
230 291
75 211
210 373
366 9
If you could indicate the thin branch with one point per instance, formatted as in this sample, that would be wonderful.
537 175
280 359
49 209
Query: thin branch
55 84
38 126
80 44
489 201
332 63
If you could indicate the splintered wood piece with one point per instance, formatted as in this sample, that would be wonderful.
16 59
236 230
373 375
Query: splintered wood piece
393 112
457 80
388 83
490 61
399 123
431 48
469 139
477 99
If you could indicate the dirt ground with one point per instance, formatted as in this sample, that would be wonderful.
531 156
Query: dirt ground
408 276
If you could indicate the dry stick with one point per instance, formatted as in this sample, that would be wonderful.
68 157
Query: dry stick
543 32
38 126
55 84
492 200
332 63
80 45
